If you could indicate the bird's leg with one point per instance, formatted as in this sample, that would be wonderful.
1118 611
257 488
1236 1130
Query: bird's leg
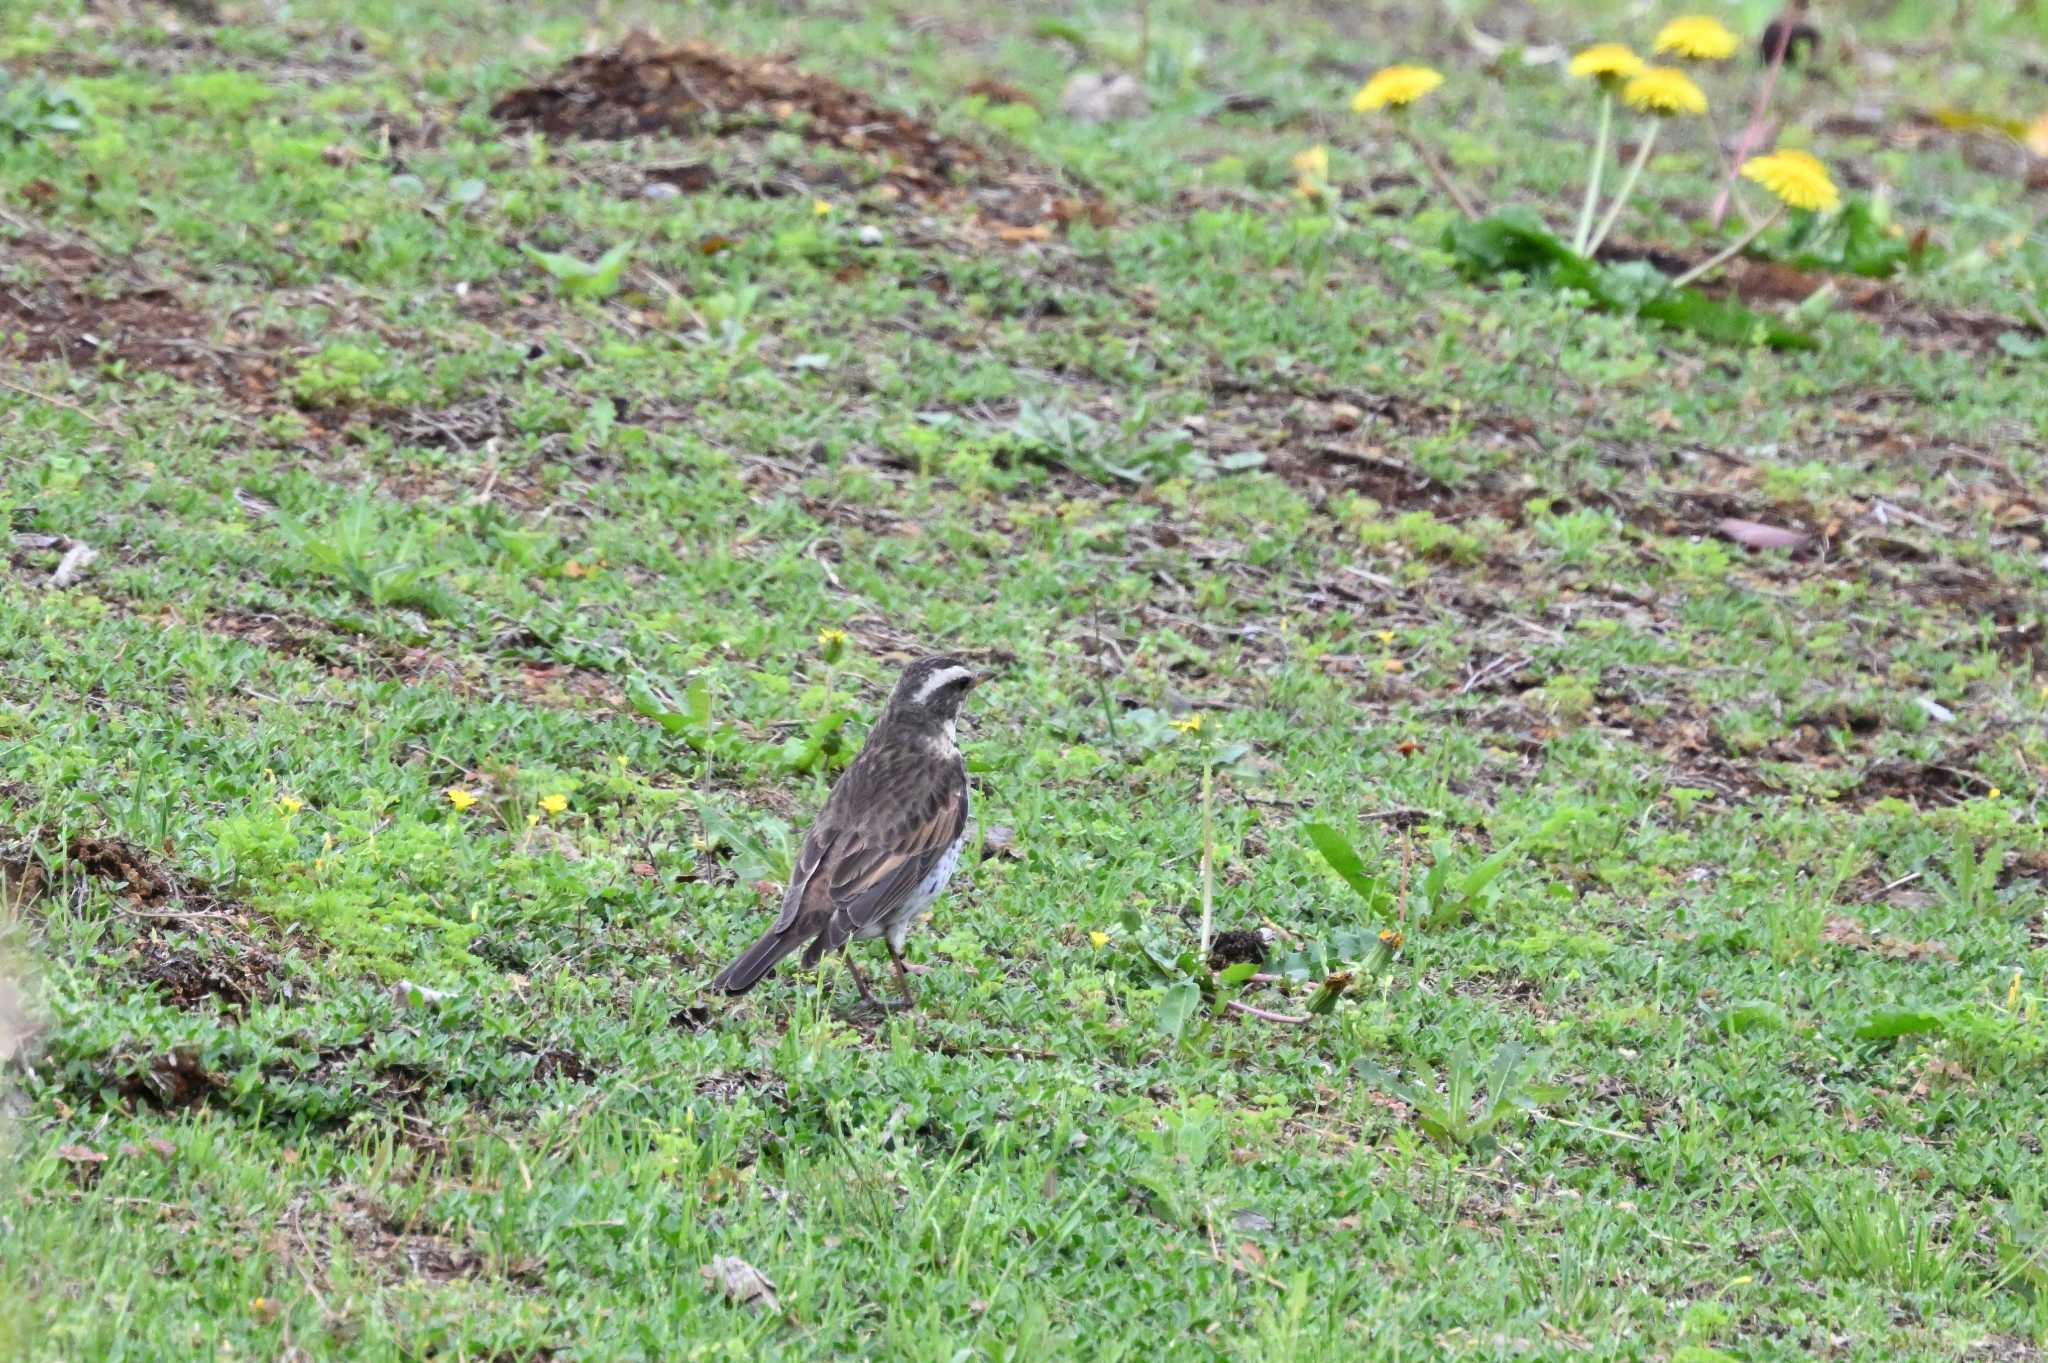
902 974
859 981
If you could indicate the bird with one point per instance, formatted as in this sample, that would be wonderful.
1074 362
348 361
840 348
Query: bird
887 841
1789 31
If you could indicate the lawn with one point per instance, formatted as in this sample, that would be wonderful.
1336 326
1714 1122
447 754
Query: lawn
472 474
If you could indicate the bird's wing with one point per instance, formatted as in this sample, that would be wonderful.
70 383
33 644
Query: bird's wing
875 866
816 851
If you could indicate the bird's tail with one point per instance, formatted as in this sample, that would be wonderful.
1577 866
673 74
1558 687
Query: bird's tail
756 961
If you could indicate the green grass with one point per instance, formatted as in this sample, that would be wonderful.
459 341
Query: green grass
1739 1056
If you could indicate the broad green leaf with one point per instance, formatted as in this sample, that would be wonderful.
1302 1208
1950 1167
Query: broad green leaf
1890 1023
1343 859
1237 974
1177 1006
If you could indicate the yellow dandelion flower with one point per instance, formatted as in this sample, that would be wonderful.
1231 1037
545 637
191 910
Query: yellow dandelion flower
1664 90
1099 938
821 207
1993 793
1700 37
1385 636
1392 938
1395 87
1796 177
1606 63
832 644
1313 164
554 804
459 797
1191 725
290 804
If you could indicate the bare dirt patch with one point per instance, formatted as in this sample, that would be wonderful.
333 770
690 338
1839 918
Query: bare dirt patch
1325 443
392 1247
63 300
194 947
646 86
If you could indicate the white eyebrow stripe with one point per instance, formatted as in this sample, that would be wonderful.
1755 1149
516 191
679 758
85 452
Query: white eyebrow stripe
938 681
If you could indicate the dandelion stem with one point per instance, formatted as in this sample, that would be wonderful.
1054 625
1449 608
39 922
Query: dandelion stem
1752 135
1720 258
1585 227
1437 172
1208 858
1628 187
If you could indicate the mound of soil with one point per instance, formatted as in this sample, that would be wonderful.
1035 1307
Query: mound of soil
645 86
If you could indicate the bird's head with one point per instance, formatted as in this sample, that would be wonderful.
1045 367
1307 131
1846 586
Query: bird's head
931 689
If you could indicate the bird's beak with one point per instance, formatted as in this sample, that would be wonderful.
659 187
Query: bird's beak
979 680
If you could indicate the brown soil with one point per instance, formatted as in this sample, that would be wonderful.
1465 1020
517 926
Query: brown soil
386 1244
1330 442
1770 283
194 947
62 300
646 86
1921 784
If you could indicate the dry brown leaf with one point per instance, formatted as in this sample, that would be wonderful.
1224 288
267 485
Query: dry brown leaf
741 1282
1757 535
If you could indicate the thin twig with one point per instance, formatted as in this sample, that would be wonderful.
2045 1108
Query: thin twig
67 405
1437 173
1292 1019
1403 812
1587 1126
1887 889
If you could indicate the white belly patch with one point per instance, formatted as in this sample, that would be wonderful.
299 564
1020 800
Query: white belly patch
897 926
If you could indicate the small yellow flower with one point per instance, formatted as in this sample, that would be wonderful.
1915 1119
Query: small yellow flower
1099 938
553 804
1395 87
1664 90
1385 636
459 797
1700 37
2012 993
290 804
1313 164
1606 63
1191 725
1993 793
1796 177
832 644
1392 939
821 207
